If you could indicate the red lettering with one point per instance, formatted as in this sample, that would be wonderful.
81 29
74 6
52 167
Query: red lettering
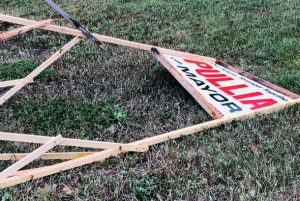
249 95
215 77
215 81
228 90
199 63
259 103
207 73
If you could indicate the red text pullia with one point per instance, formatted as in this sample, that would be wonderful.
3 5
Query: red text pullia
216 78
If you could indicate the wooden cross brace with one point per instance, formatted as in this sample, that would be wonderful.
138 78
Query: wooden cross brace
13 176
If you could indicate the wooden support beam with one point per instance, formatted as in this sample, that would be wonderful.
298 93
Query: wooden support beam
101 156
106 39
38 70
27 171
11 83
71 142
28 175
26 28
46 156
31 157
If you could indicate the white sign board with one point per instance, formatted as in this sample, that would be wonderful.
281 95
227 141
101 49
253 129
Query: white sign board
220 90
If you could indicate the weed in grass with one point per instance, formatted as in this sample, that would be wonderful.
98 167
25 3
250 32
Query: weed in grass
145 187
5 197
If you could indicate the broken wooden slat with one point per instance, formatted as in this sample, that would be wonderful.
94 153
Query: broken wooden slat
23 29
11 83
31 157
71 142
38 70
107 39
46 156
26 171
101 156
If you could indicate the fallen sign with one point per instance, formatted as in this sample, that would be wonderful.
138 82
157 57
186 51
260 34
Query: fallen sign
224 91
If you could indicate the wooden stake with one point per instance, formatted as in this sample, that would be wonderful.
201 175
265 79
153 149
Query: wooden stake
38 70
11 83
101 156
46 156
107 39
31 157
71 142
23 29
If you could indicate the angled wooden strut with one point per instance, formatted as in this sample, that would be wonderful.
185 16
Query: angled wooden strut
30 157
71 142
11 83
38 70
29 27
28 175
45 156
78 160
106 39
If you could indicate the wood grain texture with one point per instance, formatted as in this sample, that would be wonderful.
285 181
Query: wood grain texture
11 83
28 175
14 137
31 157
101 156
38 70
106 39
46 156
26 28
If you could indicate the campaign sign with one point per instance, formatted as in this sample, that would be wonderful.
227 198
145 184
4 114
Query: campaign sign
220 91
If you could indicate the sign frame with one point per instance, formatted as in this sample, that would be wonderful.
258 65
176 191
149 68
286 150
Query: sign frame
77 159
199 88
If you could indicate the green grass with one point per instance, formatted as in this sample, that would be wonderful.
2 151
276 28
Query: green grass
56 115
20 69
89 90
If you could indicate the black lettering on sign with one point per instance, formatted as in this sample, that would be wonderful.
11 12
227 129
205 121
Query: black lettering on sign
219 97
206 88
186 71
176 60
233 107
198 82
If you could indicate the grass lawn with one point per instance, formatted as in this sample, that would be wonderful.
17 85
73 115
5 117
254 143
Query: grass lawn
126 95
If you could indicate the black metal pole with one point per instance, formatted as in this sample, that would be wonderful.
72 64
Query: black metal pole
74 22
